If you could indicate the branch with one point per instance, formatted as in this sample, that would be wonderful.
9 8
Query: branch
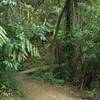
59 21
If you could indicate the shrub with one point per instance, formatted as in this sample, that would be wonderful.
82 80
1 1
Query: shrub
46 76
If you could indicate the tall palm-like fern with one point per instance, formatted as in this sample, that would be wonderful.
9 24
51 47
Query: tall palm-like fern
15 51
3 36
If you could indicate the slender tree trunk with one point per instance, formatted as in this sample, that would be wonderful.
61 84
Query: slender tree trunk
70 47
68 15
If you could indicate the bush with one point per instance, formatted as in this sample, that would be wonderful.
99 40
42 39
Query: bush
9 84
46 76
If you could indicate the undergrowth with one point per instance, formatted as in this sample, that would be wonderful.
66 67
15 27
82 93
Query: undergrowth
45 76
10 98
9 86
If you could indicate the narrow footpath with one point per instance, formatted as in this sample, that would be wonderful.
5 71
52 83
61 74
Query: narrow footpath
41 91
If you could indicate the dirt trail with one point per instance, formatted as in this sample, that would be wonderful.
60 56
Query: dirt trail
41 91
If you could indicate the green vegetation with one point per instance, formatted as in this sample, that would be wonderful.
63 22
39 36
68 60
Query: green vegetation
9 85
46 76
63 34
10 98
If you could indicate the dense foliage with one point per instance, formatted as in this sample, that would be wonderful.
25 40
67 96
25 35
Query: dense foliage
75 28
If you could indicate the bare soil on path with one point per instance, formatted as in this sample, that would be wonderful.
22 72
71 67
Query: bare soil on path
41 91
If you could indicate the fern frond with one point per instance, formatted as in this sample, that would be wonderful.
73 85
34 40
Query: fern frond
3 36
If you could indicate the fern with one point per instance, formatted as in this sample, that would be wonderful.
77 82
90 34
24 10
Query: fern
3 36
20 50
16 50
